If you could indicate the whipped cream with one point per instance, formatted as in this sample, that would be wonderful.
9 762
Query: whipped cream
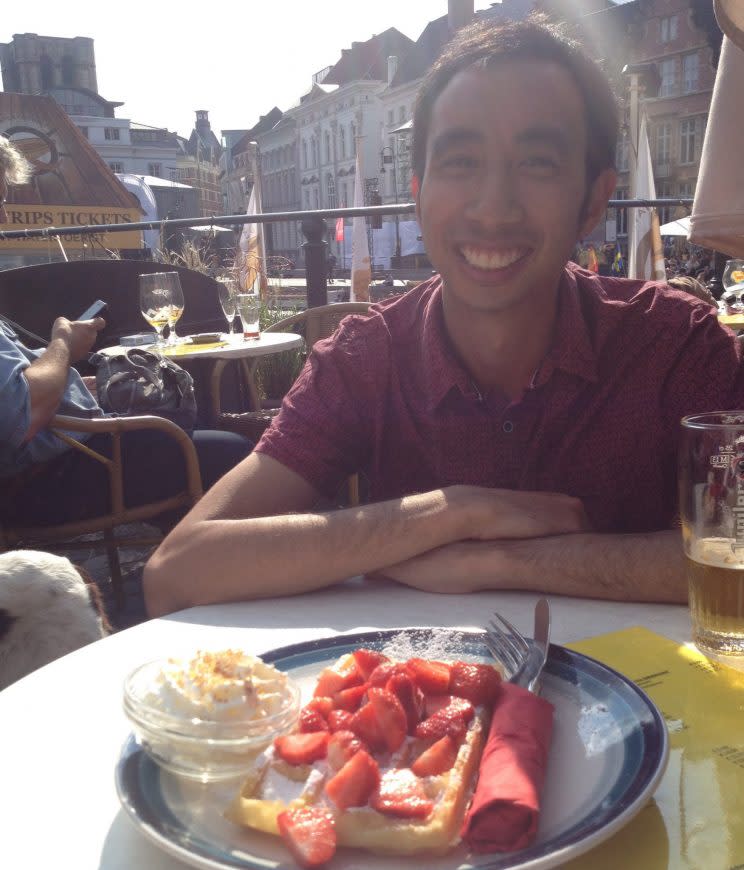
219 686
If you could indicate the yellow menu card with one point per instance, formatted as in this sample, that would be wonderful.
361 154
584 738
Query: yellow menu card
696 817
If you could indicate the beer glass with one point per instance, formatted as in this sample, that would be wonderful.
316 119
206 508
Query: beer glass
228 291
711 488
249 306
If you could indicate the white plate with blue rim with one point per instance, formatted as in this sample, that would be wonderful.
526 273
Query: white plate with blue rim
608 754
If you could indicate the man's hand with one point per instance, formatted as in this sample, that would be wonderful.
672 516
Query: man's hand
503 513
78 335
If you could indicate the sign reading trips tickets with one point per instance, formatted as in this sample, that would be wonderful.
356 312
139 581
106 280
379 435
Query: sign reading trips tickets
31 217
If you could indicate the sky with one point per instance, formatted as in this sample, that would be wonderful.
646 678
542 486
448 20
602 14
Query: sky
237 60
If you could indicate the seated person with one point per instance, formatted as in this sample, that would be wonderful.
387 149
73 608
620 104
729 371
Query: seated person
517 417
43 481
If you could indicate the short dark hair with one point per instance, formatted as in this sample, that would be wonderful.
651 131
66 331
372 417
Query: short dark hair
488 43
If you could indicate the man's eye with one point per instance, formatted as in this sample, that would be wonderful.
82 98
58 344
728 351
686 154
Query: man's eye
458 161
540 161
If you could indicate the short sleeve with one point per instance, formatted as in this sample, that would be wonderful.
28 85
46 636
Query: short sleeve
14 394
325 427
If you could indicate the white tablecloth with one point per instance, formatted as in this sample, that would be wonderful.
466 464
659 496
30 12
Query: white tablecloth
63 726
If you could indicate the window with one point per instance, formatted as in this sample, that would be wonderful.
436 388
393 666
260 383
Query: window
622 151
331 191
664 191
115 166
327 147
663 143
687 188
316 198
391 117
307 199
304 154
154 169
621 214
84 131
344 197
342 141
689 73
172 173
687 140
111 133
668 85
669 28
353 139
401 114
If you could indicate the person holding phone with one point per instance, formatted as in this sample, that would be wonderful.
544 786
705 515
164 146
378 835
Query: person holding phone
42 480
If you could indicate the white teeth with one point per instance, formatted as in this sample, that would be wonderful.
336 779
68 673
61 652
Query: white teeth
483 259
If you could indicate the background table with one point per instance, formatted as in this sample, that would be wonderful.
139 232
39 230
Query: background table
63 726
235 347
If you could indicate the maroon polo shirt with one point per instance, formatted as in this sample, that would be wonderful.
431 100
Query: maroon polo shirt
387 395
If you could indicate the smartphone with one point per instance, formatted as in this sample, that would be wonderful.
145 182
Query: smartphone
98 307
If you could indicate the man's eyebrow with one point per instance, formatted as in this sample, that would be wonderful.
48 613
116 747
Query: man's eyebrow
545 135
453 138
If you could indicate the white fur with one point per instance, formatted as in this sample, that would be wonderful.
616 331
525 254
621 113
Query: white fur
51 610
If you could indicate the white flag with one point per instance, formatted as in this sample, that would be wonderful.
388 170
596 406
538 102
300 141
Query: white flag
645 253
252 265
361 272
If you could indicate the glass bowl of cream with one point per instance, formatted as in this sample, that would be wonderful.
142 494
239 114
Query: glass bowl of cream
206 716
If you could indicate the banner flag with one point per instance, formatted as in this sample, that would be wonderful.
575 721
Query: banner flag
340 229
645 253
252 256
361 271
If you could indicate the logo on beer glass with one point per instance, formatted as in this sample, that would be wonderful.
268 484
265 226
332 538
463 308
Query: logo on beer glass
738 467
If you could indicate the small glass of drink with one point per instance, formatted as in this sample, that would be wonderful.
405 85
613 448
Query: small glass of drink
249 306
711 488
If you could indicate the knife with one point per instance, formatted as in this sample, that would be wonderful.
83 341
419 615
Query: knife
529 675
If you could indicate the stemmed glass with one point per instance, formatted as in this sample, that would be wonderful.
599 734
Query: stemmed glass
161 303
228 291
733 280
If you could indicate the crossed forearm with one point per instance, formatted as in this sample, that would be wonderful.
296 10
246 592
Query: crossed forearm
630 567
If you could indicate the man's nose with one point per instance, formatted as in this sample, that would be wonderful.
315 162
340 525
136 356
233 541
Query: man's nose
495 198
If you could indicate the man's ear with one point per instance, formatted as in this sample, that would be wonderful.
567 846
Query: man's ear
596 202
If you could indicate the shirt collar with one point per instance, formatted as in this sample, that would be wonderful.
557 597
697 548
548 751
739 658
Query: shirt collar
571 349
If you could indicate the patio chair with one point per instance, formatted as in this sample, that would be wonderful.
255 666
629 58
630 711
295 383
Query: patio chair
13 537
313 324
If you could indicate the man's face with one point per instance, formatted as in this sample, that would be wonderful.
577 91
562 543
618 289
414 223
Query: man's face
3 195
500 202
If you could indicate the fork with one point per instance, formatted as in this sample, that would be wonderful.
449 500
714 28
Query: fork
507 644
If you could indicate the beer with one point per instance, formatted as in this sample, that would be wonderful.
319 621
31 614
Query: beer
249 305
715 573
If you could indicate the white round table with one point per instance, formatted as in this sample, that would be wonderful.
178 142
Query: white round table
63 726
232 347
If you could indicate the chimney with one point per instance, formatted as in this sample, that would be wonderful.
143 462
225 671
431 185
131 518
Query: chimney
459 13
392 67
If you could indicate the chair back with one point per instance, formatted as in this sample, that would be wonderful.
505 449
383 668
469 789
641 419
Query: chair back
34 296
319 322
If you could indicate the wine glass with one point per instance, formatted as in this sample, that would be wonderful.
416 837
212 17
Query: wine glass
173 283
228 291
156 300
733 280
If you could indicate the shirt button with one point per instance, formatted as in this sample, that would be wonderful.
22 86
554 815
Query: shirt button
508 427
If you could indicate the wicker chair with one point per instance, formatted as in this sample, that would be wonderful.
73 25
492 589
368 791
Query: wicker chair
314 324
12 537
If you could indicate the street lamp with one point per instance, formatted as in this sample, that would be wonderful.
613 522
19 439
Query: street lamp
387 157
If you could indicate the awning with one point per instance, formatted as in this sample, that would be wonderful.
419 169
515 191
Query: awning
680 227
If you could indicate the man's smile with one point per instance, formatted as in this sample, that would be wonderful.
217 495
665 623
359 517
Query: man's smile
489 258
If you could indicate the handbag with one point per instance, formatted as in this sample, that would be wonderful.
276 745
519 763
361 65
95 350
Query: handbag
142 382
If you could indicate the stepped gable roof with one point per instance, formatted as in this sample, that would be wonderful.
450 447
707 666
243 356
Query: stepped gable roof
367 61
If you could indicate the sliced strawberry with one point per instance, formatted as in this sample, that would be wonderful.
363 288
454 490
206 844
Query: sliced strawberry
350 699
365 724
339 720
355 783
381 674
391 717
368 659
410 696
312 720
437 702
341 746
401 793
341 675
438 758
309 833
302 748
322 704
431 677
452 719
479 683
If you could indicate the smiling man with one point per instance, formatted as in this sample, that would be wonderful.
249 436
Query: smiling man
516 417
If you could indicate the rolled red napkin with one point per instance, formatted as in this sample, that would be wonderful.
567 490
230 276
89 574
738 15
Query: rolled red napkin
504 812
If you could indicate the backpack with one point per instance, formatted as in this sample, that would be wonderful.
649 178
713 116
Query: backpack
142 382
